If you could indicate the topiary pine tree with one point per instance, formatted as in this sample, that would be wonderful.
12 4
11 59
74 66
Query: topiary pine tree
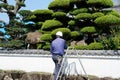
78 19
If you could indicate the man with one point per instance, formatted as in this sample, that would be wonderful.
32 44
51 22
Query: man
57 50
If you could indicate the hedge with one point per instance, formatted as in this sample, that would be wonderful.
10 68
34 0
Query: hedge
88 29
81 47
107 20
51 24
95 46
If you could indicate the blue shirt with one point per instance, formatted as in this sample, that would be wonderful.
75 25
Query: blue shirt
57 46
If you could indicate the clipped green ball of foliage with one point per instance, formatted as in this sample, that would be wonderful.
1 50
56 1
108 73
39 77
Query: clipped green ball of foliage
66 32
46 37
107 20
42 15
81 47
97 14
60 4
59 15
39 24
88 29
51 24
43 12
75 35
95 46
100 3
74 1
71 22
83 16
77 11
33 17
113 12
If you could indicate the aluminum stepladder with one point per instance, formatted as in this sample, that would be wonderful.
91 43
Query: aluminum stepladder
63 66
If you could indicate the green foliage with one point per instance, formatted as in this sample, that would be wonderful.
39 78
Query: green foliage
88 29
60 4
100 3
4 5
115 13
15 44
81 47
107 20
97 14
51 24
71 22
95 46
21 4
74 1
39 24
59 15
75 35
42 15
46 47
25 14
65 31
83 16
10 7
43 12
77 11
46 37
111 42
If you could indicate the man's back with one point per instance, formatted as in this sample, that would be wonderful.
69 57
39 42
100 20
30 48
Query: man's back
58 45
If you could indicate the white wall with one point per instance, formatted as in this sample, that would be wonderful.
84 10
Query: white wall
98 67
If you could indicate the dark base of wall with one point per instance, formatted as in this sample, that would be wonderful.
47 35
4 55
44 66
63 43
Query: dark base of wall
21 75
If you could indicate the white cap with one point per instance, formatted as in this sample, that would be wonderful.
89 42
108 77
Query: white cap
59 33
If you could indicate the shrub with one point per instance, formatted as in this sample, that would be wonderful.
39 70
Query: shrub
77 11
111 43
75 35
46 37
83 16
115 13
81 47
60 4
51 24
39 24
46 47
39 46
97 14
43 15
71 22
59 15
43 12
107 20
100 3
88 29
65 31
95 46
74 1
